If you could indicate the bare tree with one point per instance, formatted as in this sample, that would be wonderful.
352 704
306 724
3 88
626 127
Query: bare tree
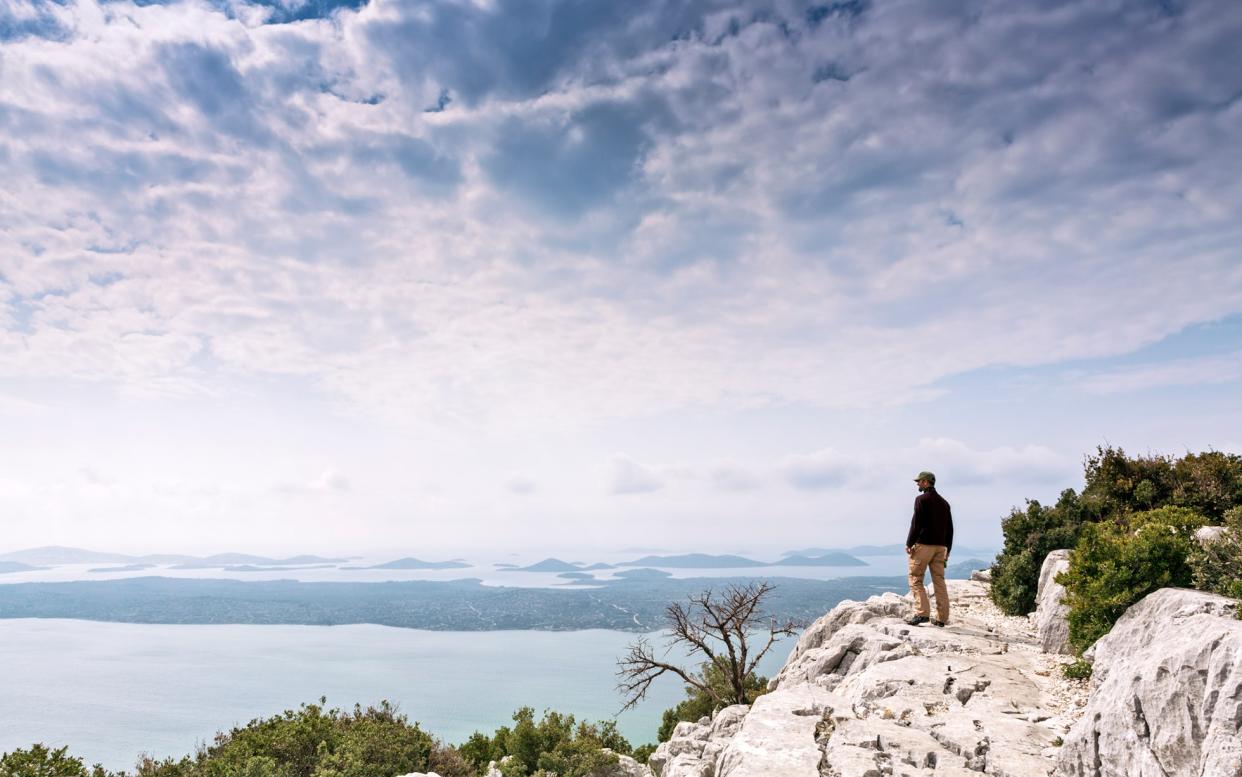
719 627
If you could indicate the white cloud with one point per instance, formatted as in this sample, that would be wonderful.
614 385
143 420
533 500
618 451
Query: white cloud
733 478
822 469
520 484
766 219
660 212
328 481
954 462
630 477
1206 370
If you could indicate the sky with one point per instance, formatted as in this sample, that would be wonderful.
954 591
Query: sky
446 277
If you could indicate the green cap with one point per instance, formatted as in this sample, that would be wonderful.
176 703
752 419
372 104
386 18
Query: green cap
928 476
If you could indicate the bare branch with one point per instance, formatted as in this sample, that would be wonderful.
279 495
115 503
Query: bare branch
774 633
715 625
639 668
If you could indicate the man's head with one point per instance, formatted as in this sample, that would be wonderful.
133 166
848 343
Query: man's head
925 480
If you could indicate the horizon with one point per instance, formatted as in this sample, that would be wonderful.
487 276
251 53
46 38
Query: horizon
345 277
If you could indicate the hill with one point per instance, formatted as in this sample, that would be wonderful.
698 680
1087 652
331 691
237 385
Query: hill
413 563
695 561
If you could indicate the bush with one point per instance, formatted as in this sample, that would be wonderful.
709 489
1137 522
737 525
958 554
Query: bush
1217 566
1030 535
1119 561
1077 670
39 761
556 744
1115 485
316 742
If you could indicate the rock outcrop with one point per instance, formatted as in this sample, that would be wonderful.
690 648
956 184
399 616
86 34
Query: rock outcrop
1209 534
865 695
1051 613
1166 695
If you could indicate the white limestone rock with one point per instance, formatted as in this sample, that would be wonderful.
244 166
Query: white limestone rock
865 695
981 576
777 736
1051 613
848 612
692 748
1166 695
1208 534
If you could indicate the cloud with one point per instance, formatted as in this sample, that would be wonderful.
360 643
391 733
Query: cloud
823 469
956 463
630 477
328 481
733 478
1205 370
521 485
621 209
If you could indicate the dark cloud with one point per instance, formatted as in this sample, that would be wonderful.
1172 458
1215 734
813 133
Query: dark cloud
207 79
568 167
106 171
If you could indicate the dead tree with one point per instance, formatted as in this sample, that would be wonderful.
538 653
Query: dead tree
718 627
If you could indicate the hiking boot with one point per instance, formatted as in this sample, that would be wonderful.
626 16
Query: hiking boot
939 623
916 620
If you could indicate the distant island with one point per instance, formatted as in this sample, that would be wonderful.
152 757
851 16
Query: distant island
825 560
223 560
16 566
895 549
643 574
413 563
123 568
634 602
706 561
56 555
261 568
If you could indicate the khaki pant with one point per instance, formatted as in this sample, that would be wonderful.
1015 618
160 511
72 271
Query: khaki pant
933 556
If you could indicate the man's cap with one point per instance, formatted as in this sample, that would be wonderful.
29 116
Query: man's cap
928 476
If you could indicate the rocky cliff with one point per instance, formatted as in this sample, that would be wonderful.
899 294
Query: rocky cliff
865 695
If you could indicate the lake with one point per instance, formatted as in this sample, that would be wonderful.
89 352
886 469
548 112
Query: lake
113 690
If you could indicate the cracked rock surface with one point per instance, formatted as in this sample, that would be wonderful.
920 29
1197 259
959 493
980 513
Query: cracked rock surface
1166 696
865 695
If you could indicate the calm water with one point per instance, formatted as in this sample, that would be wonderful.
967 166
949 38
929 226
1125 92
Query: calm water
113 690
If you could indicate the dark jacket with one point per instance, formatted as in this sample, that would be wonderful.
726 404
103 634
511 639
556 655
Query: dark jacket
932 523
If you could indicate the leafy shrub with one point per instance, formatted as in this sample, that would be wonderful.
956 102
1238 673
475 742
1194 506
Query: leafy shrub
1217 565
1119 561
39 761
643 752
1030 535
316 742
1115 485
556 744
1077 670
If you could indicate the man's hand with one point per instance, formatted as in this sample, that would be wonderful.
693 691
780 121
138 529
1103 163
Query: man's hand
909 551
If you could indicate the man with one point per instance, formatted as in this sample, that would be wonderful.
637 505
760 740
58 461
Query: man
928 545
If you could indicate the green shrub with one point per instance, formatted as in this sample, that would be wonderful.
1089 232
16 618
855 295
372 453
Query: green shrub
1115 485
1030 535
1077 670
1217 565
1119 561
316 742
555 744
643 752
40 761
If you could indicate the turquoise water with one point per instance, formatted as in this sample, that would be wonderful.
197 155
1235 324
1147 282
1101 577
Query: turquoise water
111 691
